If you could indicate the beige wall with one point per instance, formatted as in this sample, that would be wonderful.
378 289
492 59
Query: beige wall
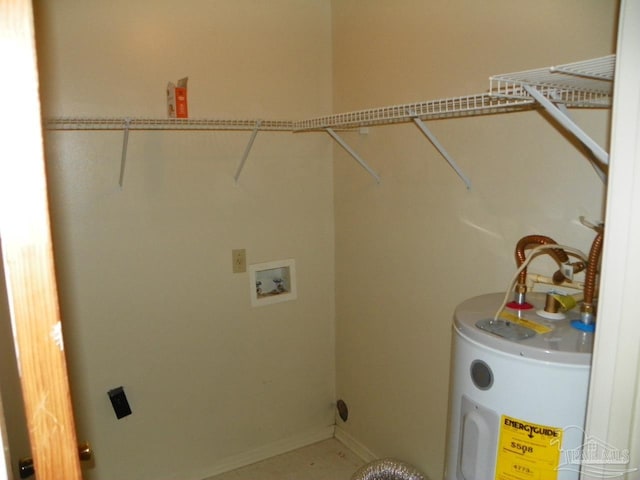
148 297
410 249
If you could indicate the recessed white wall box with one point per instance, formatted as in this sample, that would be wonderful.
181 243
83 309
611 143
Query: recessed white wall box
272 282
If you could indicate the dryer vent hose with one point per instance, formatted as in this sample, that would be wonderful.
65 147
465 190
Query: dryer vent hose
388 469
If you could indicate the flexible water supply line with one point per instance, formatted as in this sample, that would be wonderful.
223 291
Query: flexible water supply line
558 254
522 267
587 310
388 469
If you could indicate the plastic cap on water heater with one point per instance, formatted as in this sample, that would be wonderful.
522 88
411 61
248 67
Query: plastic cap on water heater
481 375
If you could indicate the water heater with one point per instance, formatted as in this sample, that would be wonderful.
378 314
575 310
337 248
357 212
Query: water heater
518 392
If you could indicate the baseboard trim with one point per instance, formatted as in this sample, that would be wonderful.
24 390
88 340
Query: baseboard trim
271 450
358 448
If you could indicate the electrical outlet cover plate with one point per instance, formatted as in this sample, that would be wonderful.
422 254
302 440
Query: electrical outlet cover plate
119 402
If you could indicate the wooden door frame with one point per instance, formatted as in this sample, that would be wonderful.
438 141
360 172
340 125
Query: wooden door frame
28 254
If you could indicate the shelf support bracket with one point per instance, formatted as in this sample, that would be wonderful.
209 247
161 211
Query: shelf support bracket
125 144
568 123
351 152
245 155
434 141
596 166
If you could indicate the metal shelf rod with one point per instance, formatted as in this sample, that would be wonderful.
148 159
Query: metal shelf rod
569 124
594 163
351 152
247 150
125 144
436 143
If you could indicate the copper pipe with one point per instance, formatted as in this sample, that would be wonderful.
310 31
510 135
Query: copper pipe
551 304
592 270
558 277
577 267
558 254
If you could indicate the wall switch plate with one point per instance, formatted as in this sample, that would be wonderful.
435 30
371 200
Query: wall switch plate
239 259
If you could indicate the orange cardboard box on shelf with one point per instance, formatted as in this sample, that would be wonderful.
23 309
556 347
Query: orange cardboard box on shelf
177 99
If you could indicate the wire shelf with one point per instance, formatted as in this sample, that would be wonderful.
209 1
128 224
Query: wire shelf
587 83
481 104
599 68
579 84
85 123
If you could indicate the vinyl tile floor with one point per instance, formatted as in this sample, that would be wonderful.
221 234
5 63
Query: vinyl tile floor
326 460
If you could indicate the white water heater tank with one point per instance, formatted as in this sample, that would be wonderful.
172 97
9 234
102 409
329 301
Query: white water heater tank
518 393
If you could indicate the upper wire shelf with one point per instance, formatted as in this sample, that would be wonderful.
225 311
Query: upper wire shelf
580 84
587 83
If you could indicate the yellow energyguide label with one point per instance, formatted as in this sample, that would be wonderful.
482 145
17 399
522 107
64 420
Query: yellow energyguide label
527 451
535 326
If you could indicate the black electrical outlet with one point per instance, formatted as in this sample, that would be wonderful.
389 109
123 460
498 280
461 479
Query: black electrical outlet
119 402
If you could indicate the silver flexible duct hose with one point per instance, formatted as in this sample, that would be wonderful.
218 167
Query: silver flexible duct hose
388 469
